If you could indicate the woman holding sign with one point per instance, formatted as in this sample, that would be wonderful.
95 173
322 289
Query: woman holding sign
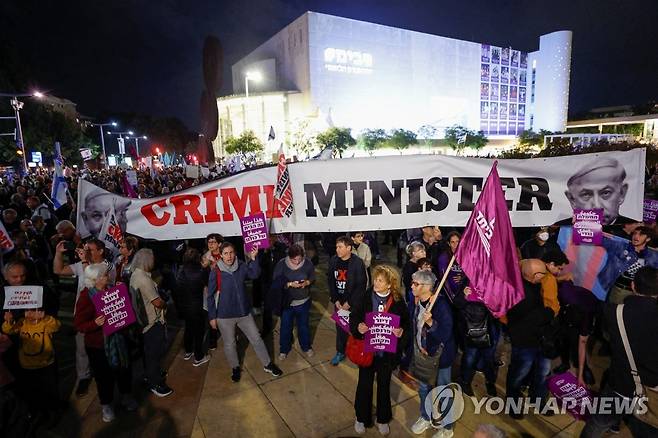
374 316
109 357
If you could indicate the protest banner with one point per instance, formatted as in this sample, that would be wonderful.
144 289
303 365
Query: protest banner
342 318
23 297
377 193
115 305
565 388
254 232
380 337
6 244
111 234
650 211
131 176
192 171
587 227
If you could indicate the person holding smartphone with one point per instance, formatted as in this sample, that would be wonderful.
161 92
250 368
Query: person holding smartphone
299 274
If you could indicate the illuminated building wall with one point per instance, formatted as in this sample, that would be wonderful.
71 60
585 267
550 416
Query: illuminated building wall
364 75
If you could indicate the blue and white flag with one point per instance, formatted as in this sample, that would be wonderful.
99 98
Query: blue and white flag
58 192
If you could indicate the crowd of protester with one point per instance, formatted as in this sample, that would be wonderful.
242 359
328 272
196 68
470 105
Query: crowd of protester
205 282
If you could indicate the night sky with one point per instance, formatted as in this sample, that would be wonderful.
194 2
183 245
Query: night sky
145 55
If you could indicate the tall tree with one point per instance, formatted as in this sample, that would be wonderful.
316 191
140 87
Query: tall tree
401 139
459 138
247 145
427 133
372 139
338 138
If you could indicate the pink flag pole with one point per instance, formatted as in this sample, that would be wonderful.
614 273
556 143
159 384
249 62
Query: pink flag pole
443 281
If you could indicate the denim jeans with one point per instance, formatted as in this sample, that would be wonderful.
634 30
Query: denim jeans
443 378
482 358
524 360
288 316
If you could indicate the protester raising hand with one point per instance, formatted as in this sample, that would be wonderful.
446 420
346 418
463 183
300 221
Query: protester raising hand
100 320
363 328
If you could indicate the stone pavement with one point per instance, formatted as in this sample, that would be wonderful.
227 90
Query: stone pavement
312 398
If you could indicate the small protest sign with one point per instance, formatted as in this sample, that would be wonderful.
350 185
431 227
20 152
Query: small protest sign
254 232
342 318
380 337
587 226
565 388
23 297
650 211
114 303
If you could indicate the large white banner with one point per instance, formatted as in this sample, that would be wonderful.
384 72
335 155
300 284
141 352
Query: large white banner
381 193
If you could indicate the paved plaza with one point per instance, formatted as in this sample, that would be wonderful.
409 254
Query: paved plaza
312 398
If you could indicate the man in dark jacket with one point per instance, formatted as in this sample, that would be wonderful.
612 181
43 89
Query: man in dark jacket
526 321
347 280
640 315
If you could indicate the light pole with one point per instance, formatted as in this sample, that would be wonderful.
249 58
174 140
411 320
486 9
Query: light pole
121 143
100 126
143 137
255 76
17 105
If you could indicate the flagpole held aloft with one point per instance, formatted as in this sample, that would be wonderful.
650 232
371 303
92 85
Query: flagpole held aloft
443 281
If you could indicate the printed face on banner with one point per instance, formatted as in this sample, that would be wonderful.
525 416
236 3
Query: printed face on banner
599 184
484 72
504 56
521 94
524 60
254 232
484 110
523 74
504 75
504 91
515 58
380 337
503 111
96 206
484 91
514 76
116 306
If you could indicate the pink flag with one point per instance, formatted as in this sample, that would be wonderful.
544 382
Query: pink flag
487 251
127 188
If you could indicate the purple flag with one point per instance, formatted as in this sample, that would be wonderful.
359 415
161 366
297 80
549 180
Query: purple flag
487 251
127 188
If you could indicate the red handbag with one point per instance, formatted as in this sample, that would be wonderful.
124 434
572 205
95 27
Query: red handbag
355 349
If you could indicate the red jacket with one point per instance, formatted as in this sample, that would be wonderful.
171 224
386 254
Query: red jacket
83 320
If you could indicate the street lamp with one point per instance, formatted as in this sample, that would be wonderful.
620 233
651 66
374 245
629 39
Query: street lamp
17 105
122 146
143 137
100 126
255 76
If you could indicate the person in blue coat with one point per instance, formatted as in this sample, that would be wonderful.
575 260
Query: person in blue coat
432 334
229 306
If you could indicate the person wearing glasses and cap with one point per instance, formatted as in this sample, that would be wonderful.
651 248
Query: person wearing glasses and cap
432 334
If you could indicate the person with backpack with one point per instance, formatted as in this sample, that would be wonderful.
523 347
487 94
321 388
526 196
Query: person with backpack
634 360
229 306
150 310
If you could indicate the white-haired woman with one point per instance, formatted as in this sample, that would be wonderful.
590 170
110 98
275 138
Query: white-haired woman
108 356
150 310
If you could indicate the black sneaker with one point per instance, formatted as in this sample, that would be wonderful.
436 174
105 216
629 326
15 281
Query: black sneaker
161 390
83 387
273 369
491 389
467 389
236 374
